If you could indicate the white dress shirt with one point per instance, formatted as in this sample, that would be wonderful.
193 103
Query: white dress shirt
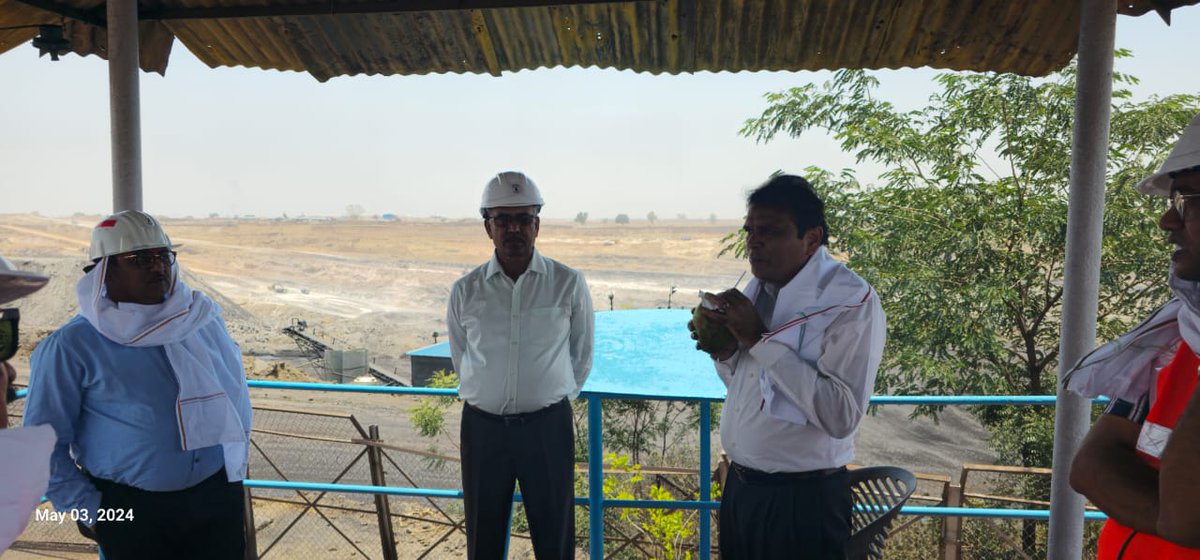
796 397
520 346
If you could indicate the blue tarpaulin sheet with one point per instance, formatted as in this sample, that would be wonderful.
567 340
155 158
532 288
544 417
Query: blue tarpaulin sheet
641 352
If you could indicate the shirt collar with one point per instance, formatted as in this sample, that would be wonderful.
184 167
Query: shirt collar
537 264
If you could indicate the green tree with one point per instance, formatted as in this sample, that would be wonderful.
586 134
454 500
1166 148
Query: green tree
622 219
428 416
581 218
964 236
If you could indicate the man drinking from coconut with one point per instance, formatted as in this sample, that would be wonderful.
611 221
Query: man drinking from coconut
807 339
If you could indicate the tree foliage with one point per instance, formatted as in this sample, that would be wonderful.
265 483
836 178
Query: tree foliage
964 237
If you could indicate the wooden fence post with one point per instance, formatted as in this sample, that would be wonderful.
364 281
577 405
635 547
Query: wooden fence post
952 525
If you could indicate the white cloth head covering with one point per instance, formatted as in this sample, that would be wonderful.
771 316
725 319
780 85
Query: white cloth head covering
207 364
1125 367
1185 155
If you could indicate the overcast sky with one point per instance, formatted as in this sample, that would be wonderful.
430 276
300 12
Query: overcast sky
245 141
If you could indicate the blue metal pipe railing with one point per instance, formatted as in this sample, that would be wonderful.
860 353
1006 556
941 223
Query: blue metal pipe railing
595 499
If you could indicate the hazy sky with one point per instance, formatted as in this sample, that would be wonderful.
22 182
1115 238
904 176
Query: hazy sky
244 141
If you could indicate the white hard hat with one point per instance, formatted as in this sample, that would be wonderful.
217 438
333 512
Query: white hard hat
508 189
1185 155
16 284
126 231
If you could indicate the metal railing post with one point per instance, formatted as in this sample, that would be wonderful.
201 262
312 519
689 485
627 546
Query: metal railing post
595 479
705 478
383 510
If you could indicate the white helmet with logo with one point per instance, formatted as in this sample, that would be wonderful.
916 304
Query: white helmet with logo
509 189
16 284
127 231
1184 156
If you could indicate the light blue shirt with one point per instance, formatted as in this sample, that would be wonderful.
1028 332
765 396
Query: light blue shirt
113 408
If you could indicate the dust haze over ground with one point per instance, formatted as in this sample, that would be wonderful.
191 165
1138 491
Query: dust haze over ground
383 285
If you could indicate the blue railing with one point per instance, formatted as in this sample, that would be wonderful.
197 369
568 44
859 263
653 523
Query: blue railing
595 500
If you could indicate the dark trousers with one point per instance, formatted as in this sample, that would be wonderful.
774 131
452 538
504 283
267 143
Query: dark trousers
537 449
201 522
785 515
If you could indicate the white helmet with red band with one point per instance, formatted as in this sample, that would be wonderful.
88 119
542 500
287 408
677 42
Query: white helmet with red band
127 231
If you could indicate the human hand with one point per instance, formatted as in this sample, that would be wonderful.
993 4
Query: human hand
720 353
736 312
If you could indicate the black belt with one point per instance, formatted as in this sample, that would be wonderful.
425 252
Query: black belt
747 474
105 485
509 419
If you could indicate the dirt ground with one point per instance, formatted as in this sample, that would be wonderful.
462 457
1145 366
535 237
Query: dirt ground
383 286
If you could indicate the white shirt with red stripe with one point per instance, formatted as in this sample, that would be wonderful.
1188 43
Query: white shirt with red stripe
795 398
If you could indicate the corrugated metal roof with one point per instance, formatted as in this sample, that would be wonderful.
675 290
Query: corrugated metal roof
1031 37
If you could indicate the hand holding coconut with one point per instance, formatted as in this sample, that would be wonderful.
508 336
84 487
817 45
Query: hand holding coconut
723 320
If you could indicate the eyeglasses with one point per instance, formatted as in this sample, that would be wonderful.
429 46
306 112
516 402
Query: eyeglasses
505 220
1179 203
148 260
8 332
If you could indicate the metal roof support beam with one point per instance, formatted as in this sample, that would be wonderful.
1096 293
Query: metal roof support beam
93 17
124 105
331 7
1089 152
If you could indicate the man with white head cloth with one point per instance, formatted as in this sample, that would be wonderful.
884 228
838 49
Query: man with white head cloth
146 391
1140 460
24 451
521 329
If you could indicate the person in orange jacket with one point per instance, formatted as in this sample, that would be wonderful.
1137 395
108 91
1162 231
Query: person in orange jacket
1140 461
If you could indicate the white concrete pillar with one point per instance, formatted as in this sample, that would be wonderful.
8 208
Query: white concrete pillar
1089 152
124 105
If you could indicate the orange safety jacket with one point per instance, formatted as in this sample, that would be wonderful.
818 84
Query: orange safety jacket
1174 388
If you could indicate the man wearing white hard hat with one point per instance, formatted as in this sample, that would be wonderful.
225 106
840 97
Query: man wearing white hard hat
1141 459
521 330
24 451
146 391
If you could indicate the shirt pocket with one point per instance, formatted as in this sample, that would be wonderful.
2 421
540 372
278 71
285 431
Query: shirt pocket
547 326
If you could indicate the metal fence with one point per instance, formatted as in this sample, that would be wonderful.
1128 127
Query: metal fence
324 486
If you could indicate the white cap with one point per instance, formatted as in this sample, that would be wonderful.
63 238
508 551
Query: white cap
16 284
508 189
127 231
1185 155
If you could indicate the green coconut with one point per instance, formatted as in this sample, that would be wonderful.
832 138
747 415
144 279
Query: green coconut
711 336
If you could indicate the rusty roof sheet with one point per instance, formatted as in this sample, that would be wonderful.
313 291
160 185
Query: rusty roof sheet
347 37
